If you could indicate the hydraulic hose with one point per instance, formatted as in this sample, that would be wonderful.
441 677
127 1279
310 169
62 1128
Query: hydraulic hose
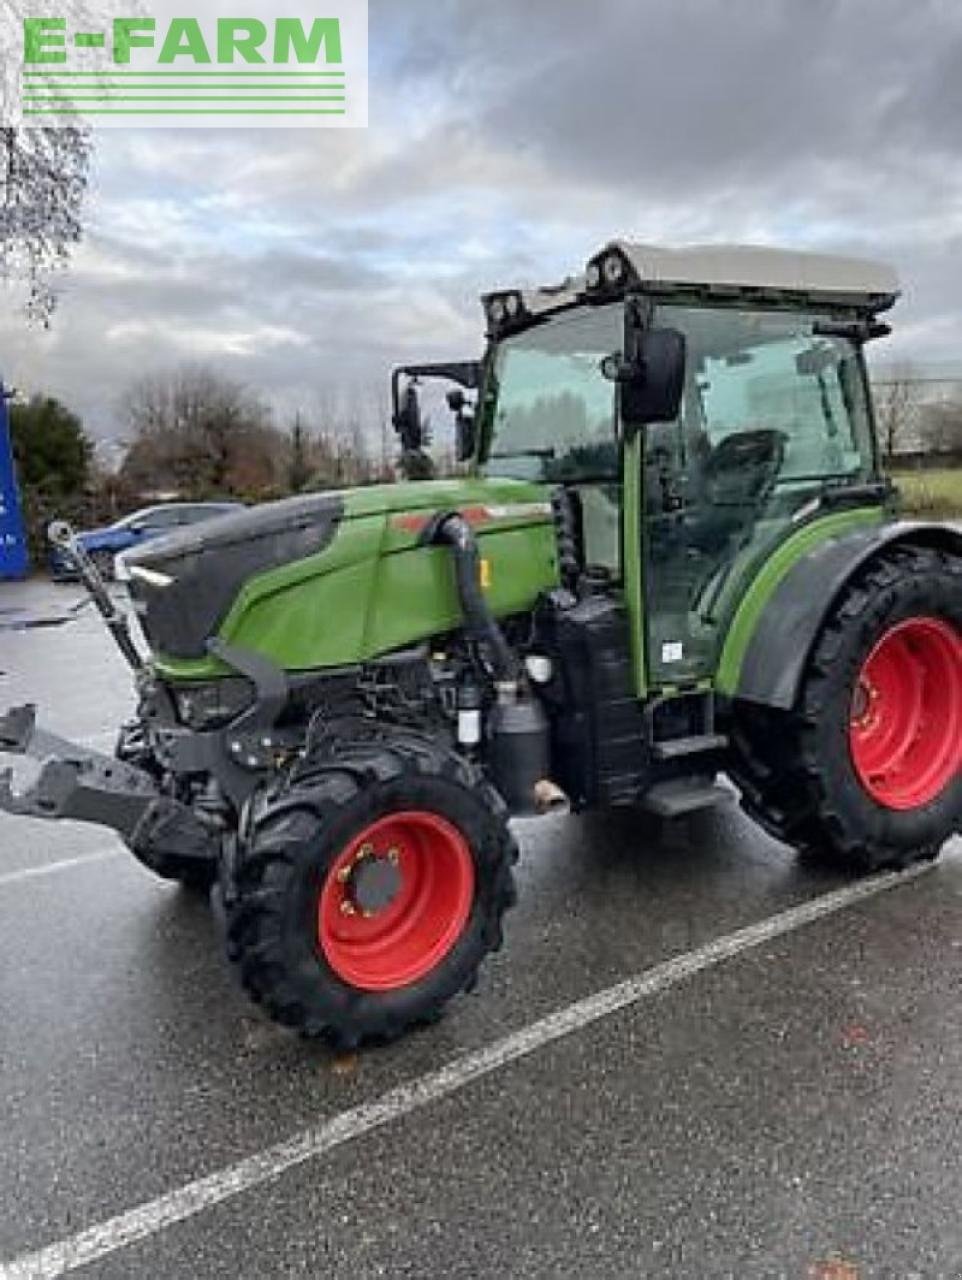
455 532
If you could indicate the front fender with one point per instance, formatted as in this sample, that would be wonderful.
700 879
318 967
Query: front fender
775 660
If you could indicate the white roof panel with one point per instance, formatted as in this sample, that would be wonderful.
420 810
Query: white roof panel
717 266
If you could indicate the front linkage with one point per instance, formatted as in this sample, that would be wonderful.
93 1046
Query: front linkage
175 840
84 785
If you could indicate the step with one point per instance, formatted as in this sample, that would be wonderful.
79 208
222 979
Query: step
676 748
684 795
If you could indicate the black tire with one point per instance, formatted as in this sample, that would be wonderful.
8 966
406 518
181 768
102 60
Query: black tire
795 769
294 835
195 876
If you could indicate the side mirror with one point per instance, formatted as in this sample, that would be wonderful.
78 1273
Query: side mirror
464 437
138 528
651 384
464 433
407 420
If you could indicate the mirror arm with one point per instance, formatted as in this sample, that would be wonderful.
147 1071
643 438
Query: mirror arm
857 331
467 373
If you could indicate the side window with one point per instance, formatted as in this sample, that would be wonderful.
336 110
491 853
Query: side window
162 518
795 386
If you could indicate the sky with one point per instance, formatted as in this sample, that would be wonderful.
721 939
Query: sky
507 142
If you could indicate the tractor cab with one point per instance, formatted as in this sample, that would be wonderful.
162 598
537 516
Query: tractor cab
697 407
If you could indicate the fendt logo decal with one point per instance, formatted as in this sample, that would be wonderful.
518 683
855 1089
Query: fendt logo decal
106 65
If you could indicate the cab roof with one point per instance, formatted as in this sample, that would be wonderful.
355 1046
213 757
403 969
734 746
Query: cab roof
712 272
754 268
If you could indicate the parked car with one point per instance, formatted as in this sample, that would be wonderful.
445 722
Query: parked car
103 545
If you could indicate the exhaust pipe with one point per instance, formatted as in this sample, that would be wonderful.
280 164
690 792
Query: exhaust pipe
549 798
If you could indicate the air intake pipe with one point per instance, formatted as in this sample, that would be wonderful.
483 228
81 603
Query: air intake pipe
455 532
517 738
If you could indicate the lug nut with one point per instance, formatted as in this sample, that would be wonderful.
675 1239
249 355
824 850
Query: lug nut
347 908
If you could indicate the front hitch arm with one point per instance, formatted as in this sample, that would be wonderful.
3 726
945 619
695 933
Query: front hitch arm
74 781
62 536
84 785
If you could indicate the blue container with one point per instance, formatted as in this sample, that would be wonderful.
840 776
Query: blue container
14 561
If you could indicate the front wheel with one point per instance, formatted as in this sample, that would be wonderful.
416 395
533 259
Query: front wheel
866 771
371 885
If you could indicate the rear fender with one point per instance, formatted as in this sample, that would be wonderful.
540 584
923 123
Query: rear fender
775 660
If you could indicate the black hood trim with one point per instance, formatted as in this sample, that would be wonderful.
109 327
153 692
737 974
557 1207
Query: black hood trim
210 563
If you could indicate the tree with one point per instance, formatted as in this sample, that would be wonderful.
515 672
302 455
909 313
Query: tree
299 463
43 172
895 411
53 460
49 446
941 427
199 434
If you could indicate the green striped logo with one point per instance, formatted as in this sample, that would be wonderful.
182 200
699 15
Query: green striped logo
297 66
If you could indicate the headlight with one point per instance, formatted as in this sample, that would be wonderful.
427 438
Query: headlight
609 271
512 305
497 311
614 268
212 704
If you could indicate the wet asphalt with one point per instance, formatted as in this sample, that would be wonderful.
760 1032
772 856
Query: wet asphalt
795 1111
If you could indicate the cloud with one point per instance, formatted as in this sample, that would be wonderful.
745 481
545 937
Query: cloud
506 143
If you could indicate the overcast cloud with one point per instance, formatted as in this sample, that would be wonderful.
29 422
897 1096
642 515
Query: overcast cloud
507 142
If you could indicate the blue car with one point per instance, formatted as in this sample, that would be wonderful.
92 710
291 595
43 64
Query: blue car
102 545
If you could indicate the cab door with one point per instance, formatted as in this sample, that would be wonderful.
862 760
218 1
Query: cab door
773 412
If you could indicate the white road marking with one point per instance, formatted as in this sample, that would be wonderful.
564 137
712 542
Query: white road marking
51 868
194 1197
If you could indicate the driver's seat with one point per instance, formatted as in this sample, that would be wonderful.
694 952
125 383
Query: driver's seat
735 481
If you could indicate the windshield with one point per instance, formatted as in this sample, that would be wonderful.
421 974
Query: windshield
553 411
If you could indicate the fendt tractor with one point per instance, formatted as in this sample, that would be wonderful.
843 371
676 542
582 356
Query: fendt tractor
672 554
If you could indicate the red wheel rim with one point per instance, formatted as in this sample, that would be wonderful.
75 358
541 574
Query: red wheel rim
429 871
905 732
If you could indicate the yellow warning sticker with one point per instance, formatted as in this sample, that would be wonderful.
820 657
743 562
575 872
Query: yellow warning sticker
485 574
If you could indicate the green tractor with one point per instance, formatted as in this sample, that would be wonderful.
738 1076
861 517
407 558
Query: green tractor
672 554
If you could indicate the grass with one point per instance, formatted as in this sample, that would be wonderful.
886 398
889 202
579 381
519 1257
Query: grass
936 493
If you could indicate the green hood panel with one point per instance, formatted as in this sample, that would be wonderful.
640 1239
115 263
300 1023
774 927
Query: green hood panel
375 588
439 495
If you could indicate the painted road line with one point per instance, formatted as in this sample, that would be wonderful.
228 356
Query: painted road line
184 1202
52 868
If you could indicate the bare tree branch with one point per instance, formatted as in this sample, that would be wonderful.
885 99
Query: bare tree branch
43 178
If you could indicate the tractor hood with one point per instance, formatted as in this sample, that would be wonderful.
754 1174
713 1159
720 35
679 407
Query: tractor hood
207 580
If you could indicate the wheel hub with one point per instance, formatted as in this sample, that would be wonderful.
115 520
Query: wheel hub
906 709
372 882
395 901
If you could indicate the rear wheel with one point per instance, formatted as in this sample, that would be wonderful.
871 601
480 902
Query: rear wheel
867 769
369 889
